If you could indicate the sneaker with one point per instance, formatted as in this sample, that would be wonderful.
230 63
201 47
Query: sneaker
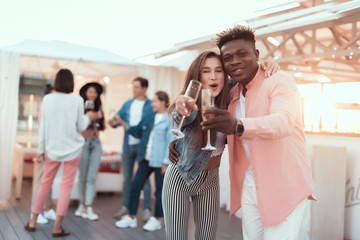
126 222
41 219
79 210
89 214
152 225
121 213
146 215
51 214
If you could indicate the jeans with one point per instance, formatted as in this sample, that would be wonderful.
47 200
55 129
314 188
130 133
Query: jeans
128 160
88 169
142 175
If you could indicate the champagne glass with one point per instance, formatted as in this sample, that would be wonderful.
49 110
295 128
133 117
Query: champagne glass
89 105
207 102
192 92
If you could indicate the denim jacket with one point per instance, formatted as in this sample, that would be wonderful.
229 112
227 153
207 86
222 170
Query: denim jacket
191 160
161 139
142 130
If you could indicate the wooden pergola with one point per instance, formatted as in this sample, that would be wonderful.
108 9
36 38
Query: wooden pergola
311 40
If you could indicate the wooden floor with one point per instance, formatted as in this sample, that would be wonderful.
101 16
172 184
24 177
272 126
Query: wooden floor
15 213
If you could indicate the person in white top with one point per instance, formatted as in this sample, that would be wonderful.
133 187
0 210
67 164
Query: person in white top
60 141
156 160
49 213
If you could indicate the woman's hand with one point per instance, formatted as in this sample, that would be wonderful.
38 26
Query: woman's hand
173 154
184 107
270 67
40 158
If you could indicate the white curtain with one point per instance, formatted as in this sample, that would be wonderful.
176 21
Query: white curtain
9 91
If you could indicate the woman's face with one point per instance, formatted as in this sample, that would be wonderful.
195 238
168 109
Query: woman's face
157 104
91 93
212 75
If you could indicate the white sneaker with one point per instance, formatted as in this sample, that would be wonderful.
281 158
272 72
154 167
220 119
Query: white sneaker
79 210
146 215
51 214
121 213
126 222
152 225
41 219
89 214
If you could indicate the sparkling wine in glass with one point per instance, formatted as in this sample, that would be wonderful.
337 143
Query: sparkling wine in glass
192 92
207 102
89 105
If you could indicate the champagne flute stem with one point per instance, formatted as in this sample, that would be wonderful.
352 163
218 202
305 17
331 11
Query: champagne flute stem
181 123
208 137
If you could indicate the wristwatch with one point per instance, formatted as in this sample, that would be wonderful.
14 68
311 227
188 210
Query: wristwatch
239 128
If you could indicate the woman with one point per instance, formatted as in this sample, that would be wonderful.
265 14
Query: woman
156 160
49 213
60 142
195 177
91 153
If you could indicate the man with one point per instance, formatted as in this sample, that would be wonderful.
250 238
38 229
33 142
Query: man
270 175
137 117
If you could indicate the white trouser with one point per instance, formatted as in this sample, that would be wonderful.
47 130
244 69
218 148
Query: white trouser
289 229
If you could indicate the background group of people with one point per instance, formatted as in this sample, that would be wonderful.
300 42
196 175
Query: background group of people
257 114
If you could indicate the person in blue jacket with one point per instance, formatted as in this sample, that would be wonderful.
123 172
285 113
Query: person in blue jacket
137 117
155 160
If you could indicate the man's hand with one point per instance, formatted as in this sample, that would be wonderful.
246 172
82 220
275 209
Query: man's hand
112 123
270 67
173 154
116 119
163 168
184 107
222 121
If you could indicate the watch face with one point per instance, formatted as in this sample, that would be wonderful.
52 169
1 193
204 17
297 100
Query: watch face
239 128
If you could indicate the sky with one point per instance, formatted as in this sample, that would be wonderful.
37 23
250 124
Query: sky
131 28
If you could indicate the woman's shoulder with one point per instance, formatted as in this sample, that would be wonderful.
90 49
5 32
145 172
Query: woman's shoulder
75 98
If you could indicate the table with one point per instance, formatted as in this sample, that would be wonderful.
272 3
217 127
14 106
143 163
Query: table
109 182
21 150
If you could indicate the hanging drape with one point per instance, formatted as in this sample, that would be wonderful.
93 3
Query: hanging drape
9 91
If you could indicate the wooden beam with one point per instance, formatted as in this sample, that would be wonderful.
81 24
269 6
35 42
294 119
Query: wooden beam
314 41
297 45
326 54
336 35
278 47
350 42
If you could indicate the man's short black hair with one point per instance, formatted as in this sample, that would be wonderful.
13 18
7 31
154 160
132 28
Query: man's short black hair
143 81
235 33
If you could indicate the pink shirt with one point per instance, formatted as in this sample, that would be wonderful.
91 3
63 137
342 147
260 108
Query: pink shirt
276 140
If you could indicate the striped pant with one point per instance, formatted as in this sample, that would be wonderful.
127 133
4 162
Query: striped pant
204 196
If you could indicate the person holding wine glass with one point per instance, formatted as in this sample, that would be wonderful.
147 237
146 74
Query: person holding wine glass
194 173
91 152
155 160
270 173
60 143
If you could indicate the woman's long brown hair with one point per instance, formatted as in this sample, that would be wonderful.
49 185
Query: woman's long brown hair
194 73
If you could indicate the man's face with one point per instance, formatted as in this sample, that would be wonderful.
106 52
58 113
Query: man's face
138 91
240 60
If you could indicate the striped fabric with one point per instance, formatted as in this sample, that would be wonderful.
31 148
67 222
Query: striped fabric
177 196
